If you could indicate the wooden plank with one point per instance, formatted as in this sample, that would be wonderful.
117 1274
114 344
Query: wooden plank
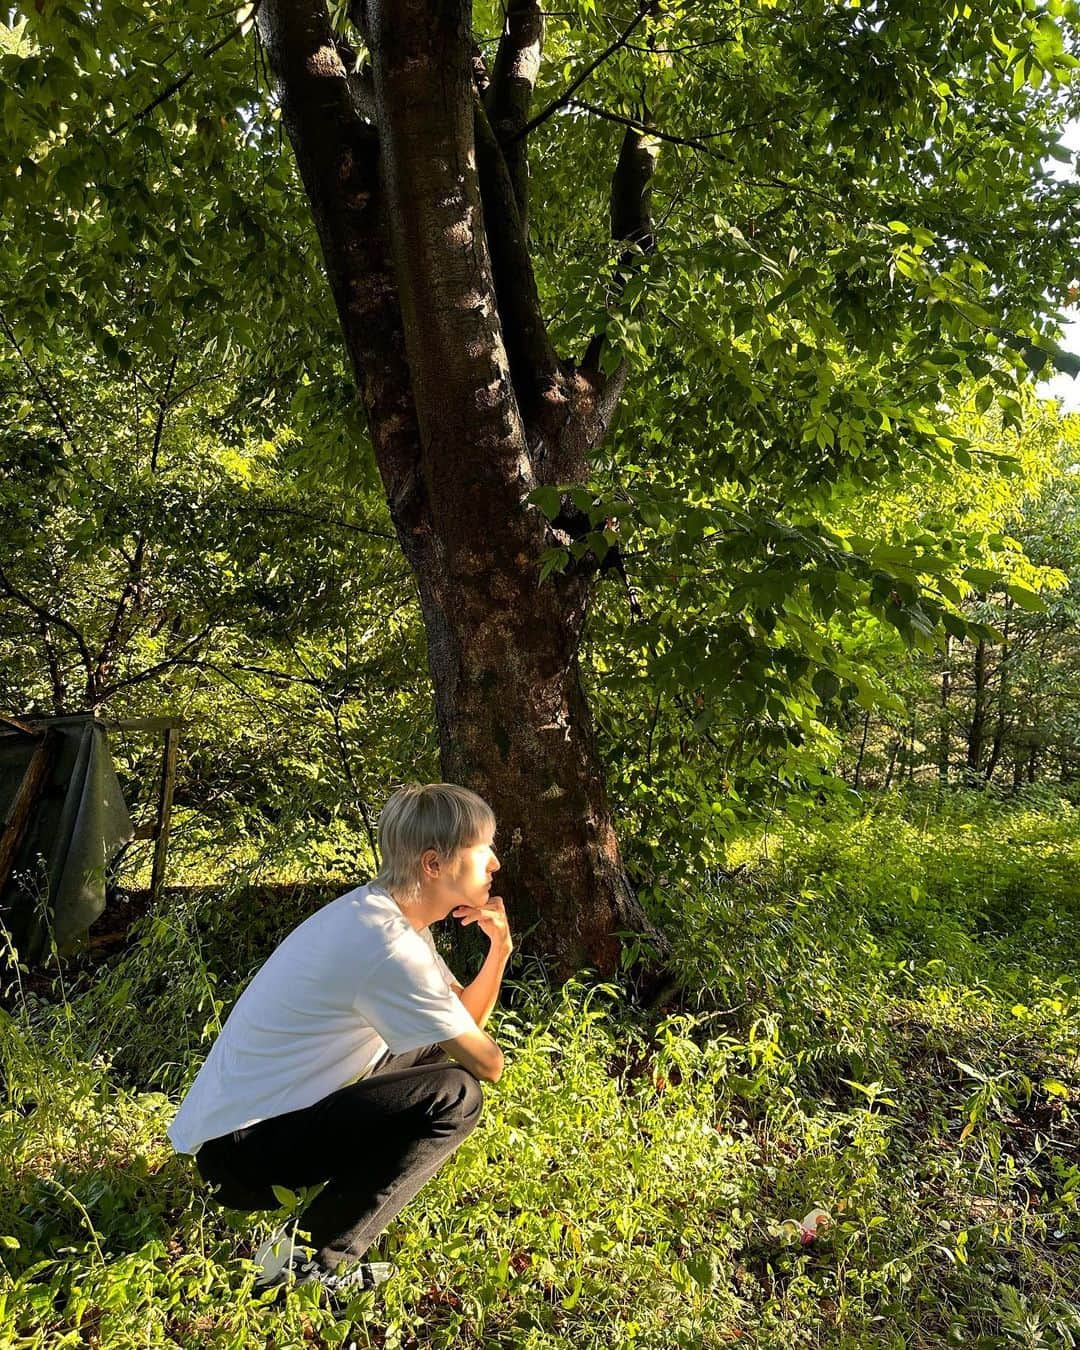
8 725
143 723
164 814
30 790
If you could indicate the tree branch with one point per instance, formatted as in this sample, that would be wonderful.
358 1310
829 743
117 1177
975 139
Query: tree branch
534 365
591 396
631 222
48 616
163 405
576 83
129 593
159 667
275 510
56 673
52 404
695 142
699 142
517 65
469 419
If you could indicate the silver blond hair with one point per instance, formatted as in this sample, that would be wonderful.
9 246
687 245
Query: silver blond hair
419 816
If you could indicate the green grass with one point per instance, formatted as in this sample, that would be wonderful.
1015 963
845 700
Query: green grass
880 1018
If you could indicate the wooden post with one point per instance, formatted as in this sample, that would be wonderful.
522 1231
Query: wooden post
164 813
30 789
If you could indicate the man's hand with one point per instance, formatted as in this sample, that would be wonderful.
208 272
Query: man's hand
492 920
479 997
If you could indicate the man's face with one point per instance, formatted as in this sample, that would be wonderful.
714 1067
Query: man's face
468 878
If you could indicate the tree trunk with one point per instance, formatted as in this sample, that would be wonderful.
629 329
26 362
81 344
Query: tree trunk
1003 696
943 730
977 726
892 763
469 410
862 750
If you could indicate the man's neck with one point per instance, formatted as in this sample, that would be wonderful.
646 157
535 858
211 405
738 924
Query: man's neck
418 913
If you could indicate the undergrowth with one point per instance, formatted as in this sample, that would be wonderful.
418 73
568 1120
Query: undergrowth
880 1019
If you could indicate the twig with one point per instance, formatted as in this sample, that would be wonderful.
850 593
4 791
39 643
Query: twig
568 92
54 407
48 616
170 89
698 143
695 141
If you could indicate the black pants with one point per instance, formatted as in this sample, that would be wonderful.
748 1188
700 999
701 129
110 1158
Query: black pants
374 1143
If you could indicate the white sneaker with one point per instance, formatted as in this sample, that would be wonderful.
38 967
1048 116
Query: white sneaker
276 1256
352 1276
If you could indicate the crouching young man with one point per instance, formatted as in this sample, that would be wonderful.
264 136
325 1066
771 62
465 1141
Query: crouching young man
353 1056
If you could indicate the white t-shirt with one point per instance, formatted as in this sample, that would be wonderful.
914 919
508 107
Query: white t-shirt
348 982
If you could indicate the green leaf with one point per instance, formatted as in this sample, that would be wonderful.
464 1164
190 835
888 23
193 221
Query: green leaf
1025 598
548 499
1066 362
552 560
982 578
826 685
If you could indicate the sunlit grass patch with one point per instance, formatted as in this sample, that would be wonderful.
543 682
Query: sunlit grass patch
636 1179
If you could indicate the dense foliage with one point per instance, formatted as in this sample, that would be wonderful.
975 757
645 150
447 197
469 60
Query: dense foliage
859 237
1002 711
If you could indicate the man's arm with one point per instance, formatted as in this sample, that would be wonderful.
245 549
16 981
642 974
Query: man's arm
481 995
478 1053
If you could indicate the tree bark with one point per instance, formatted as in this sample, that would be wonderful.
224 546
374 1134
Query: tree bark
454 382
510 94
977 726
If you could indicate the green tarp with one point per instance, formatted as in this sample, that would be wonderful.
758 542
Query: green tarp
74 831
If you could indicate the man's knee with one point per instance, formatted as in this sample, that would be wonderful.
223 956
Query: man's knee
459 1099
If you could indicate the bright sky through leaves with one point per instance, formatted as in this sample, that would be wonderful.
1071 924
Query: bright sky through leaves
1062 386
